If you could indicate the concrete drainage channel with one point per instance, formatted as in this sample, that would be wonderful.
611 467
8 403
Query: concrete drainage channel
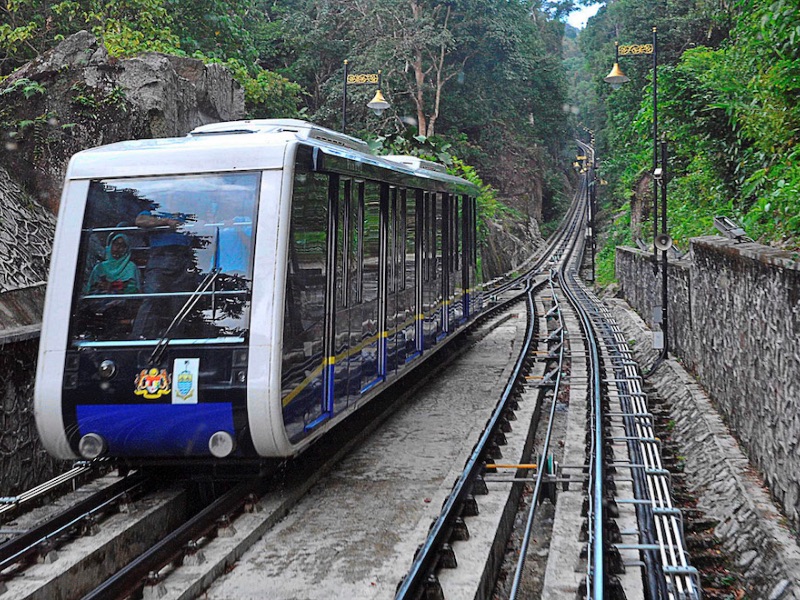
763 557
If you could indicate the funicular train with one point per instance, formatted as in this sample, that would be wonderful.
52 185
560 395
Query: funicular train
235 293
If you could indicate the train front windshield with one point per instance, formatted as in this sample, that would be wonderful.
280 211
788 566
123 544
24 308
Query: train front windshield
166 258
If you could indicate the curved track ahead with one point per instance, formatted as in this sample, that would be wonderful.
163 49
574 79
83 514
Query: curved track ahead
617 413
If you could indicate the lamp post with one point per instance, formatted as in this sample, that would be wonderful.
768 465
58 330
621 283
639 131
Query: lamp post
661 242
593 199
378 103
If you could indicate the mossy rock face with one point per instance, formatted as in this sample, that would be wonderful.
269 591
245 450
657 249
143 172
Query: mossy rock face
509 245
76 96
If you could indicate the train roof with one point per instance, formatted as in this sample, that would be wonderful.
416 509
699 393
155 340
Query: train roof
255 144
300 129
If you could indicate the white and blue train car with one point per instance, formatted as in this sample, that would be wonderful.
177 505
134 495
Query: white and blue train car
237 292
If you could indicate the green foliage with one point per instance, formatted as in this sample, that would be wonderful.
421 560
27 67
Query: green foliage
36 131
267 94
126 27
213 31
26 86
727 104
618 233
437 149
217 29
776 211
489 205
433 148
485 75
88 99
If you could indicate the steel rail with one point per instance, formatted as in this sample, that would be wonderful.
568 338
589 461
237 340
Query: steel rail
127 579
20 546
597 539
11 503
662 519
597 471
534 501
556 241
426 559
668 573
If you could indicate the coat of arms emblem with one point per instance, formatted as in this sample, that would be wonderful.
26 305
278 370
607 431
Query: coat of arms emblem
152 383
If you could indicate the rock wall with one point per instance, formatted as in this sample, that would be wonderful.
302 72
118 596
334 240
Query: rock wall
509 246
76 96
762 549
26 240
23 460
734 321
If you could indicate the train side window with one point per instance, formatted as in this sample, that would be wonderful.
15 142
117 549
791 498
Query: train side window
402 238
474 233
419 234
306 278
371 243
447 244
424 208
430 235
351 246
392 224
456 232
343 242
438 226
359 233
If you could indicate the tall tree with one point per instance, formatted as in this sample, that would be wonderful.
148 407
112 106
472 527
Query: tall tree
426 45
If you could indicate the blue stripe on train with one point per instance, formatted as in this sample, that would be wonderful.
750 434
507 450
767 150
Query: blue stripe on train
156 429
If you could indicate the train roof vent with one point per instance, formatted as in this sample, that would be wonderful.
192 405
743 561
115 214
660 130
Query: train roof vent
415 162
302 129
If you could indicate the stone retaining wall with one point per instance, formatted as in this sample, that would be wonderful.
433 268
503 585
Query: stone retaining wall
734 321
23 460
763 551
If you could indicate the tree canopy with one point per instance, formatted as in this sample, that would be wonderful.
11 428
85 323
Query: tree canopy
485 75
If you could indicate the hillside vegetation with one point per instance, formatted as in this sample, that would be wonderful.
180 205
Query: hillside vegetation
728 91
477 84
482 85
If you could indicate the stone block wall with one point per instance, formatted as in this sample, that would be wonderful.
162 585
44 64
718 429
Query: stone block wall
24 462
734 321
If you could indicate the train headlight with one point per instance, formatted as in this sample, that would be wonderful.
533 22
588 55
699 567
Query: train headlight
91 446
221 444
107 369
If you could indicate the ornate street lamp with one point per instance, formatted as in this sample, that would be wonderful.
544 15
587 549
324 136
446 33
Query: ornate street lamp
378 103
616 77
661 242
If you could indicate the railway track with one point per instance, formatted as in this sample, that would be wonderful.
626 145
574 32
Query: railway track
632 540
623 476
41 560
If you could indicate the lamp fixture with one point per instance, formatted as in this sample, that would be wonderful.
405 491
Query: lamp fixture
378 104
616 77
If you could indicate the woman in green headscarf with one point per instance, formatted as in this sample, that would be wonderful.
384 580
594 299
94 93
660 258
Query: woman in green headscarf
116 274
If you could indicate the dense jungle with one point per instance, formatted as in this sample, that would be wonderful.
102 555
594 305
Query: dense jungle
496 90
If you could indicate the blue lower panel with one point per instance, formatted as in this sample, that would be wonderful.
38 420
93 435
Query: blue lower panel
156 429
